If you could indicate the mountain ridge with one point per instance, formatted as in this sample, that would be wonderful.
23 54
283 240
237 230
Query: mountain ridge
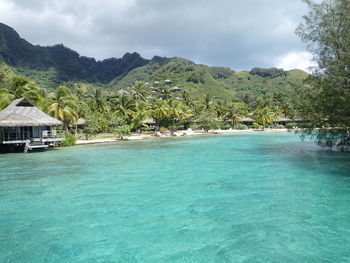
50 66
70 65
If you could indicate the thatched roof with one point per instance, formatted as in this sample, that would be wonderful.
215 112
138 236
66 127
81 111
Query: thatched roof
282 119
149 121
245 119
176 89
81 121
22 112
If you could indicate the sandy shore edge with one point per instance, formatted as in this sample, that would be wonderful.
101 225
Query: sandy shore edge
176 134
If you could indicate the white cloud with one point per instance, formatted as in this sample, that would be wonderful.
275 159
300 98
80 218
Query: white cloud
239 34
296 60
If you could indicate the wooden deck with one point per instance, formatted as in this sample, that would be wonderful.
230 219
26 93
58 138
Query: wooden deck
46 139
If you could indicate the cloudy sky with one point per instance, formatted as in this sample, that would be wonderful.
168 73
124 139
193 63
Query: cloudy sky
240 34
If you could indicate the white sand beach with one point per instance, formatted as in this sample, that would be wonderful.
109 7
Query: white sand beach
179 133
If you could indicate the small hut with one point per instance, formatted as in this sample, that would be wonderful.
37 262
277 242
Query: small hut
81 123
22 124
150 122
243 120
246 120
175 89
282 121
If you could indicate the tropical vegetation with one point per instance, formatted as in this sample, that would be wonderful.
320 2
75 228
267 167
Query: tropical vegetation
133 108
325 100
133 94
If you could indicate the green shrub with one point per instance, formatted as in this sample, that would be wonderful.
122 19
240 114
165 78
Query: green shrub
195 126
163 129
268 72
255 125
69 140
291 125
226 126
209 121
240 127
122 131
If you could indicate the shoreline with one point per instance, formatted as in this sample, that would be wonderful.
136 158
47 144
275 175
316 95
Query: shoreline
181 133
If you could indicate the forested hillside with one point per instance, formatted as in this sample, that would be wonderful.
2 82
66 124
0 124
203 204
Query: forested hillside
55 64
120 95
51 66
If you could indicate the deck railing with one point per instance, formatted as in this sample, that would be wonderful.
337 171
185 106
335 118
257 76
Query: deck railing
22 136
52 134
15 136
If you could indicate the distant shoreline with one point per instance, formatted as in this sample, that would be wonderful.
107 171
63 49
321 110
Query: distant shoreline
181 133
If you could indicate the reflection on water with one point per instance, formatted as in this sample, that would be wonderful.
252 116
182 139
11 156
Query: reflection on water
240 198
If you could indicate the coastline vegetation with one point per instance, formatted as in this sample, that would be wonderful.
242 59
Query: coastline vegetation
136 108
325 100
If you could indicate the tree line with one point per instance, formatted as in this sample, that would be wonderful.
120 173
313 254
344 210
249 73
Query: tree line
130 109
326 100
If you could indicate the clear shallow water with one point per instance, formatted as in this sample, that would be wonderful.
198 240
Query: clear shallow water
241 198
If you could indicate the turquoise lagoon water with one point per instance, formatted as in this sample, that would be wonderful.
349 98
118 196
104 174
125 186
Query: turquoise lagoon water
238 198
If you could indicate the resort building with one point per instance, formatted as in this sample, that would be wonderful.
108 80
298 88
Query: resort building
24 126
282 121
246 120
175 89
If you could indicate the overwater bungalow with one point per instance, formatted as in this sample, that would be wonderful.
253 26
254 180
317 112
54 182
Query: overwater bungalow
24 126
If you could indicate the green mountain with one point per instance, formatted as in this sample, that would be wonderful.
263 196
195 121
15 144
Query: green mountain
51 66
217 81
59 63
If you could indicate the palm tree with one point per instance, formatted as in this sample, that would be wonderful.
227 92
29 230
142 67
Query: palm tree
142 112
234 111
19 87
160 112
63 106
220 109
232 115
97 101
5 98
22 87
81 90
265 116
166 93
125 106
140 91
178 111
207 101
186 98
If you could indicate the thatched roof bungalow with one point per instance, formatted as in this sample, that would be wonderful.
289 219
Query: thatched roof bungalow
21 123
149 121
282 120
246 120
81 122
243 120
22 112
175 89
